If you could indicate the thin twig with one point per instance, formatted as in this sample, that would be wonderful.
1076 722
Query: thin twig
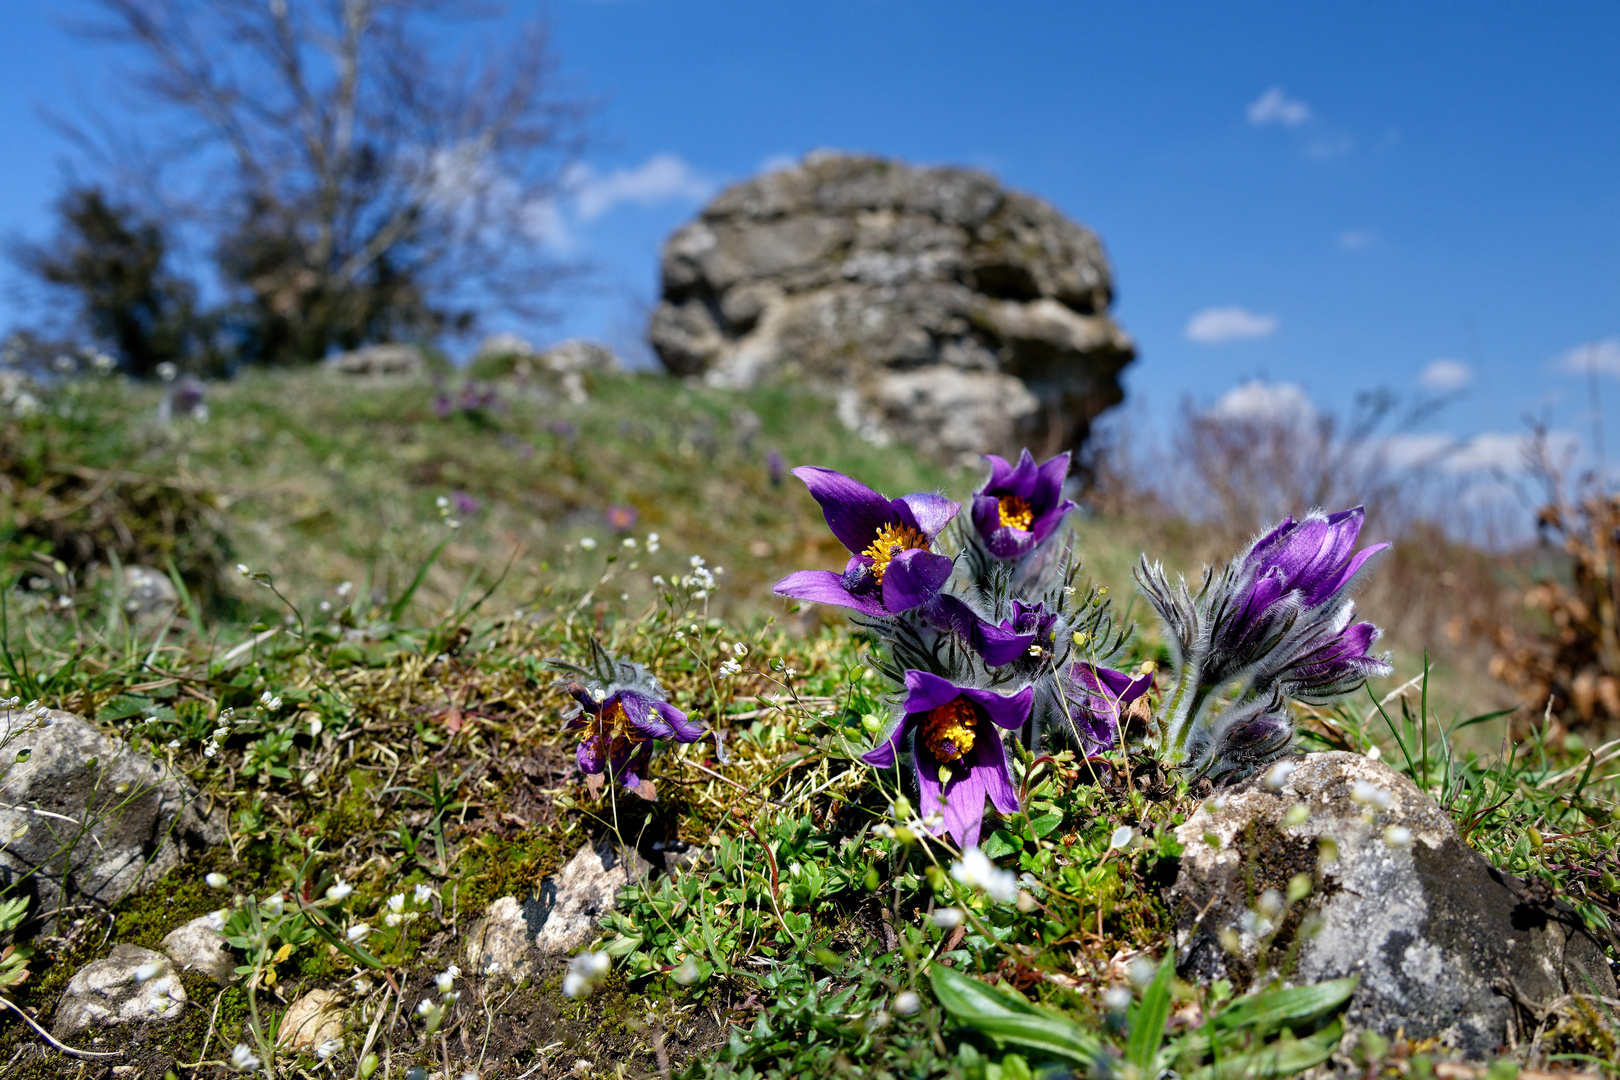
18 1009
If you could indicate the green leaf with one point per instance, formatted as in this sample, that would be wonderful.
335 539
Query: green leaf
1282 1058
1007 1016
1274 1008
1045 824
1001 843
1147 1026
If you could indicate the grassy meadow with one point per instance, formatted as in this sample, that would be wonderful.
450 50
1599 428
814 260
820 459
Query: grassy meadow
371 702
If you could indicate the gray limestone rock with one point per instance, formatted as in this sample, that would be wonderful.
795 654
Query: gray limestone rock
560 917
149 595
940 308
89 820
131 985
1445 945
197 946
401 361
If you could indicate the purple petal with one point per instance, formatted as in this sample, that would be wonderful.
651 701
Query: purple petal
925 511
964 804
681 727
1009 711
930 797
1116 685
884 753
1000 469
591 755
629 762
854 512
990 765
996 644
826 587
1342 578
1021 481
925 691
986 514
912 578
1047 491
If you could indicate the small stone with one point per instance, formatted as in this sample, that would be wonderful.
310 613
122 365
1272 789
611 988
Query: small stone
149 595
107 992
400 361
197 946
311 1021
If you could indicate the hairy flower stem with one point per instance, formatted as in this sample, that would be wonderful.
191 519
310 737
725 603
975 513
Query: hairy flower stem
1179 711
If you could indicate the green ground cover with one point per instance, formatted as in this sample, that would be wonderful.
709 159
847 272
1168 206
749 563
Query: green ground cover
403 736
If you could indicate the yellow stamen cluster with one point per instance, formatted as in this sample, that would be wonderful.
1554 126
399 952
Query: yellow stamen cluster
891 541
616 725
949 730
1015 512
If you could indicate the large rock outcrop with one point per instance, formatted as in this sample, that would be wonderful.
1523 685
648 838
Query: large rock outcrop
940 308
1336 865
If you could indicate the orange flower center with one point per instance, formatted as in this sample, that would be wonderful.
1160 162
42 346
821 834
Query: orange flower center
613 723
1015 512
891 541
948 731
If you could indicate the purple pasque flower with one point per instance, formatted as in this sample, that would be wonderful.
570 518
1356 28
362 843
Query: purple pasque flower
464 503
892 566
1334 664
996 645
1097 706
1314 558
619 729
957 749
1020 505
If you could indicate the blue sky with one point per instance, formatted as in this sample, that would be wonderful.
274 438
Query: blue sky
1336 196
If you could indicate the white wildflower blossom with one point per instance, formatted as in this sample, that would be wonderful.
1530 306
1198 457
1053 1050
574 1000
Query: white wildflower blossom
339 890
583 971
396 902
906 1002
587 543
976 871
424 893
329 1049
1370 795
243 1059
1122 837
1277 776
729 668
274 905
1117 999
216 880
151 970
216 920
1398 836
948 918
358 932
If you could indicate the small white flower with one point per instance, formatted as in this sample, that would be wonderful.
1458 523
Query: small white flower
1122 837
628 542
1277 776
583 971
948 918
977 872
358 932
392 920
273 905
396 902
442 502
64 601
1270 904
445 981
658 579
424 893
241 568
149 971
696 561
1117 999
587 543
1141 971
328 1049
216 880
687 973
345 588
906 1002
1370 795
174 744
1374 753
216 920
739 649
243 1059
339 890
1398 836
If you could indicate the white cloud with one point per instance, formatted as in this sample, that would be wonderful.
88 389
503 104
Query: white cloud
1488 452
1276 107
1357 239
1260 400
1215 325
661 178
1601 356
1446 374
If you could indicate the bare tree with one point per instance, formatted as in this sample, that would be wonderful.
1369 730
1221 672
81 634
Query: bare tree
351 180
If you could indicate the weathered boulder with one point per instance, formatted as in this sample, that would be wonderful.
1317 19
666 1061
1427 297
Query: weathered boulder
149 595
88 819
131 985
396 360
1445 946
950 312
560 917
197 946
